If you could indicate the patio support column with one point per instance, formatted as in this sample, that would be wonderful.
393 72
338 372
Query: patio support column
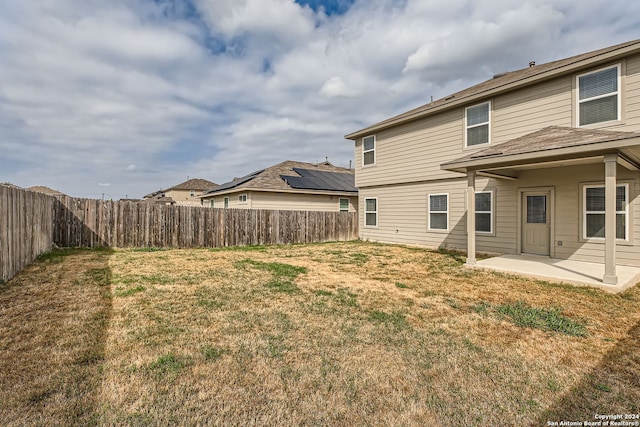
610 165
471 218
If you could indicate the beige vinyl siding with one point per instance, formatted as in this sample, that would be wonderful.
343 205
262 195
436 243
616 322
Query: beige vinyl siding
300 202
436 140
567 183
403 215
530 109
631 94
285 201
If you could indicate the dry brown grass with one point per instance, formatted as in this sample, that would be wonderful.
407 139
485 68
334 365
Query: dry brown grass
359 334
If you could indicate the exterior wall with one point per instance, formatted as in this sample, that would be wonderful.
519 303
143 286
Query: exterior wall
403 212
407 169
182 196
285 201
403 215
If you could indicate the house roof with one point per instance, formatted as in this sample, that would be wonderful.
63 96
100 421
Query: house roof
292 176
505 82
44 190
196 184
553 142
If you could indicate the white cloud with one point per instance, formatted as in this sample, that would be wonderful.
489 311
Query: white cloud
335 87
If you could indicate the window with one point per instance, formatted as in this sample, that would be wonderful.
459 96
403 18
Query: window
192 193
226 202
484 211
344 205
438 212
242 198
598 99
212 203
371 212
477 124
369 150
593 220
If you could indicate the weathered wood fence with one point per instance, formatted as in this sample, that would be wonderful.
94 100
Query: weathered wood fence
91 223
26 228
31 223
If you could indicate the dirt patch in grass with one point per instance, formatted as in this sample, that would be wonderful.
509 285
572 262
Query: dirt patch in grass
340 334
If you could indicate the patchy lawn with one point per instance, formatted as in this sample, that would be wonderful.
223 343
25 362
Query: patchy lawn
328 334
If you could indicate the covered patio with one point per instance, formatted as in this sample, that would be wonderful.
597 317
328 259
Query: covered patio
554 147
561 270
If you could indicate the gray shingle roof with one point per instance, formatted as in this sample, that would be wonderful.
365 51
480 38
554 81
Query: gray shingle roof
273 178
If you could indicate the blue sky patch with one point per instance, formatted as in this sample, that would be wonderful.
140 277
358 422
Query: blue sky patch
331 7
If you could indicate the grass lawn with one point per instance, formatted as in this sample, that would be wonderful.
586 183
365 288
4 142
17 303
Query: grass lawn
337 334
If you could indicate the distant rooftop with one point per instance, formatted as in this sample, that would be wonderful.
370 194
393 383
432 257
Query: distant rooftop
293 176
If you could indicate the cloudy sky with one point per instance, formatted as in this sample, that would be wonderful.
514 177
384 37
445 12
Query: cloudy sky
124 97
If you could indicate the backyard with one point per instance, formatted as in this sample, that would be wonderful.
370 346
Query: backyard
338 334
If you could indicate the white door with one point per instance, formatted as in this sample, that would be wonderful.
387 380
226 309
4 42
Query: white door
536 223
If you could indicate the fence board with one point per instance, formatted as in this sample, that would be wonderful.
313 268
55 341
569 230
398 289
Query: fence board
26 228
80 222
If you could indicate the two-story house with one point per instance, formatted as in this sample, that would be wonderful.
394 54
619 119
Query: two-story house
544 160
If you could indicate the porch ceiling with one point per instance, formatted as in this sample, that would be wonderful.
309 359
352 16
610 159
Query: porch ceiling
551 147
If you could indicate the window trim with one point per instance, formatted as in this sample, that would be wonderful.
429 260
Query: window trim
467 127
241 197
373 150
374 212
212 203
340 199
226 202
618 92
192 193
492 216
627 213
429 212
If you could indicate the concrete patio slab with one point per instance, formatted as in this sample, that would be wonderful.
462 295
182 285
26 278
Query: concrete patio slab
561 270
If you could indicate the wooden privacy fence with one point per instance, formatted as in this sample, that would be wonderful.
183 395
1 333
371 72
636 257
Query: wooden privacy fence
26 228
91 223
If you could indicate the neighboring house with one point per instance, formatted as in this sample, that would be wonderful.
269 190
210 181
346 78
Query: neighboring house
544 160
45 190
289 186
185 194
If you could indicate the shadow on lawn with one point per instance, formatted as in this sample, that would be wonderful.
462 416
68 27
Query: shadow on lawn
54 317
613 387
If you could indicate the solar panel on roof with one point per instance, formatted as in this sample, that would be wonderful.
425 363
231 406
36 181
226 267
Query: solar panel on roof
321 180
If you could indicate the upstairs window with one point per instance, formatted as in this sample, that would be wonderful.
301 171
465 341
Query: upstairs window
369 150
438 211
192 193
344 205
242 198
212 203
477 124
598 96
226 202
